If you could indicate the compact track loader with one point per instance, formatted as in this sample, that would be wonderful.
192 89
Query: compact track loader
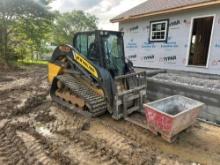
92 76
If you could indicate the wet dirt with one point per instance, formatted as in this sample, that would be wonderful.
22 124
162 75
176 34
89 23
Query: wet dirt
33 130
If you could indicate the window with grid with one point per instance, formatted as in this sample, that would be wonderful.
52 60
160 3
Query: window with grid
159 30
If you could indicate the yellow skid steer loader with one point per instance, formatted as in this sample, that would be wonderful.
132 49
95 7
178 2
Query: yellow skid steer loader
93 76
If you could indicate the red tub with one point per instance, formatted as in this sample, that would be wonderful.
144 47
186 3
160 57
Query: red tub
171 115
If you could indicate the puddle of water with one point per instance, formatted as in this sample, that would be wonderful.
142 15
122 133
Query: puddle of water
44 131
22 103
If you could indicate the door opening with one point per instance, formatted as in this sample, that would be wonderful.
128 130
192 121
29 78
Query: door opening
200 41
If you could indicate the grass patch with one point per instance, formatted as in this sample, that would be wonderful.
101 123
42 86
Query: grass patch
19 64
34 62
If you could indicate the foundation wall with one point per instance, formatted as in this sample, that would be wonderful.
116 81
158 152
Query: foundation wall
157 89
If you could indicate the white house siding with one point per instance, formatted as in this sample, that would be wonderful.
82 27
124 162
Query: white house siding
174 53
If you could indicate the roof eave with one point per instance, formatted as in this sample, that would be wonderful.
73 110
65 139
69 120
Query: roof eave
128 18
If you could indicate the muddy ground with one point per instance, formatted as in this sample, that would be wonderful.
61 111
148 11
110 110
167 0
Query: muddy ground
33 130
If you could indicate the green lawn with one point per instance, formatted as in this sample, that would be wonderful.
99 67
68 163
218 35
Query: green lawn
30 62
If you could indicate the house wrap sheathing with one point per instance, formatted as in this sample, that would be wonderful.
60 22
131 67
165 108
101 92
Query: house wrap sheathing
189 42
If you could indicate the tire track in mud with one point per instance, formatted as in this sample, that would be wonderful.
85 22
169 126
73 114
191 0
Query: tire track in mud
78 146
129 151
128 130
50 148
29 81
66 120
105 146
8 110
36 149
15 84
21 144
13 149
146 140
32 103
19 99
89 150
44 116
106 152
82 147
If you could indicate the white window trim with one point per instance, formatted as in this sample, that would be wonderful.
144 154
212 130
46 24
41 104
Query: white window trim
151 31
210 44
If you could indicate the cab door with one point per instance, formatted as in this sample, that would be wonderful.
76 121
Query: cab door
113 52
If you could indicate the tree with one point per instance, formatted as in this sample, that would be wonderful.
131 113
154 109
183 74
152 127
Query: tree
15 19
38 32
67 24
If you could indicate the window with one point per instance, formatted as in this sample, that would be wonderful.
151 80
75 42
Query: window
78 43
159 31
92 53
114 55
83 45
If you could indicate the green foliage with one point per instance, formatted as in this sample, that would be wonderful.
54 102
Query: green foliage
20 21
27 62
67 24
28 26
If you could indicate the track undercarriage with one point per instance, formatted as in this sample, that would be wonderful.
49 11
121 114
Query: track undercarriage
72 92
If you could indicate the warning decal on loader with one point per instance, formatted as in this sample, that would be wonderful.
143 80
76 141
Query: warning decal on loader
86 65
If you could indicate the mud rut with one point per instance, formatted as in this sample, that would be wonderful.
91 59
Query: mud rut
33 130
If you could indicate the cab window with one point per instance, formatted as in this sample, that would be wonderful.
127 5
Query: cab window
85 44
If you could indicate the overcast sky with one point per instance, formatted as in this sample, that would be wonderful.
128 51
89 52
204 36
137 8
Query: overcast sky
103 9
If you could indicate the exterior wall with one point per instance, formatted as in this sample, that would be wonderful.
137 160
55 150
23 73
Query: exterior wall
174 53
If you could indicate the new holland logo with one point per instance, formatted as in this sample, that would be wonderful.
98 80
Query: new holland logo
86 65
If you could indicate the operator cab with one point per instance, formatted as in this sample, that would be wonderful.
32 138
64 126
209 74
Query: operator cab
103 48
